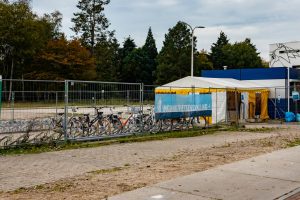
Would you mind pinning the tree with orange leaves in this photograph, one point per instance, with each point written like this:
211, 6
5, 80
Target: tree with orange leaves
62, 59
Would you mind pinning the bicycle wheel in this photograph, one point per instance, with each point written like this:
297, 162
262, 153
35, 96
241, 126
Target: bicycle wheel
147, 124
131, 126
105, 127
92, 130
74, 128
156, 126
116, 127
166, 125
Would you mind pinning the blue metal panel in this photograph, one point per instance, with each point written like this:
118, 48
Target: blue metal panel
263, 73
251, 74
295, 74
231, 73
281, 108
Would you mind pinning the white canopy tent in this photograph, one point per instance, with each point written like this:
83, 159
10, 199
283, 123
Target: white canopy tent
218, 87
220, 83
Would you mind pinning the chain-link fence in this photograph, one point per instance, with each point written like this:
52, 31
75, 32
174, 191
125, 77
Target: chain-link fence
44, 111
281, 101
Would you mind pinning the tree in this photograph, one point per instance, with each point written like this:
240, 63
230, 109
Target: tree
217, 56
134, 67
22, 34
90, 22
150, 46
138, 64
150, 63
174, 60
204, 61
54, 20
128, 46
62, 59
265, 63
242, 55
107, 59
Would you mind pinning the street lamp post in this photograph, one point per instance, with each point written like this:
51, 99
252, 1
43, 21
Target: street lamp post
192, 41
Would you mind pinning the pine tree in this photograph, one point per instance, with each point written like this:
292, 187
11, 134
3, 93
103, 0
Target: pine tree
128, 46
174, 60
134, 67
150, 46
107, 59
217, 55
90, 22
150, 55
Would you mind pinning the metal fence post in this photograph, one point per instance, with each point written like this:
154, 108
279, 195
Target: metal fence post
0, 95
102, 97
142, 104
80, 95
12, 106
56, 104
128, 96
275, 106
216, 108
66, 109
226, 108
296, 106
95, 99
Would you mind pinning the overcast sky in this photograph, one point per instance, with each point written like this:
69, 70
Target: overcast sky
264, 21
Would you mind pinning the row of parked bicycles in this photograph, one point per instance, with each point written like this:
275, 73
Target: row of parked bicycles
103, 123
116, 123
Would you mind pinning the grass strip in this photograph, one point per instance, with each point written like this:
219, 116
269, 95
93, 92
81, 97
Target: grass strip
59, 146
294, 143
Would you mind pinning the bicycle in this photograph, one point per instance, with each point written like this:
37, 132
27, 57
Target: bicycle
57, 124
115, 123
149, 122
97, 126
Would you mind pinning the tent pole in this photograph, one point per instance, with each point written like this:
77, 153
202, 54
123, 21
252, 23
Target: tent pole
236, 107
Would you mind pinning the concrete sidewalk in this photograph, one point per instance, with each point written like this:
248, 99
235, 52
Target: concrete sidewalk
271, 176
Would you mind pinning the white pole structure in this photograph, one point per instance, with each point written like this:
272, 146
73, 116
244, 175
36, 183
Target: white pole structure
192, 41
288, 78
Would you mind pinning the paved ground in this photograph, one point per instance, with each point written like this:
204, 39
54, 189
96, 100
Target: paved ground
264, 177
31, 170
